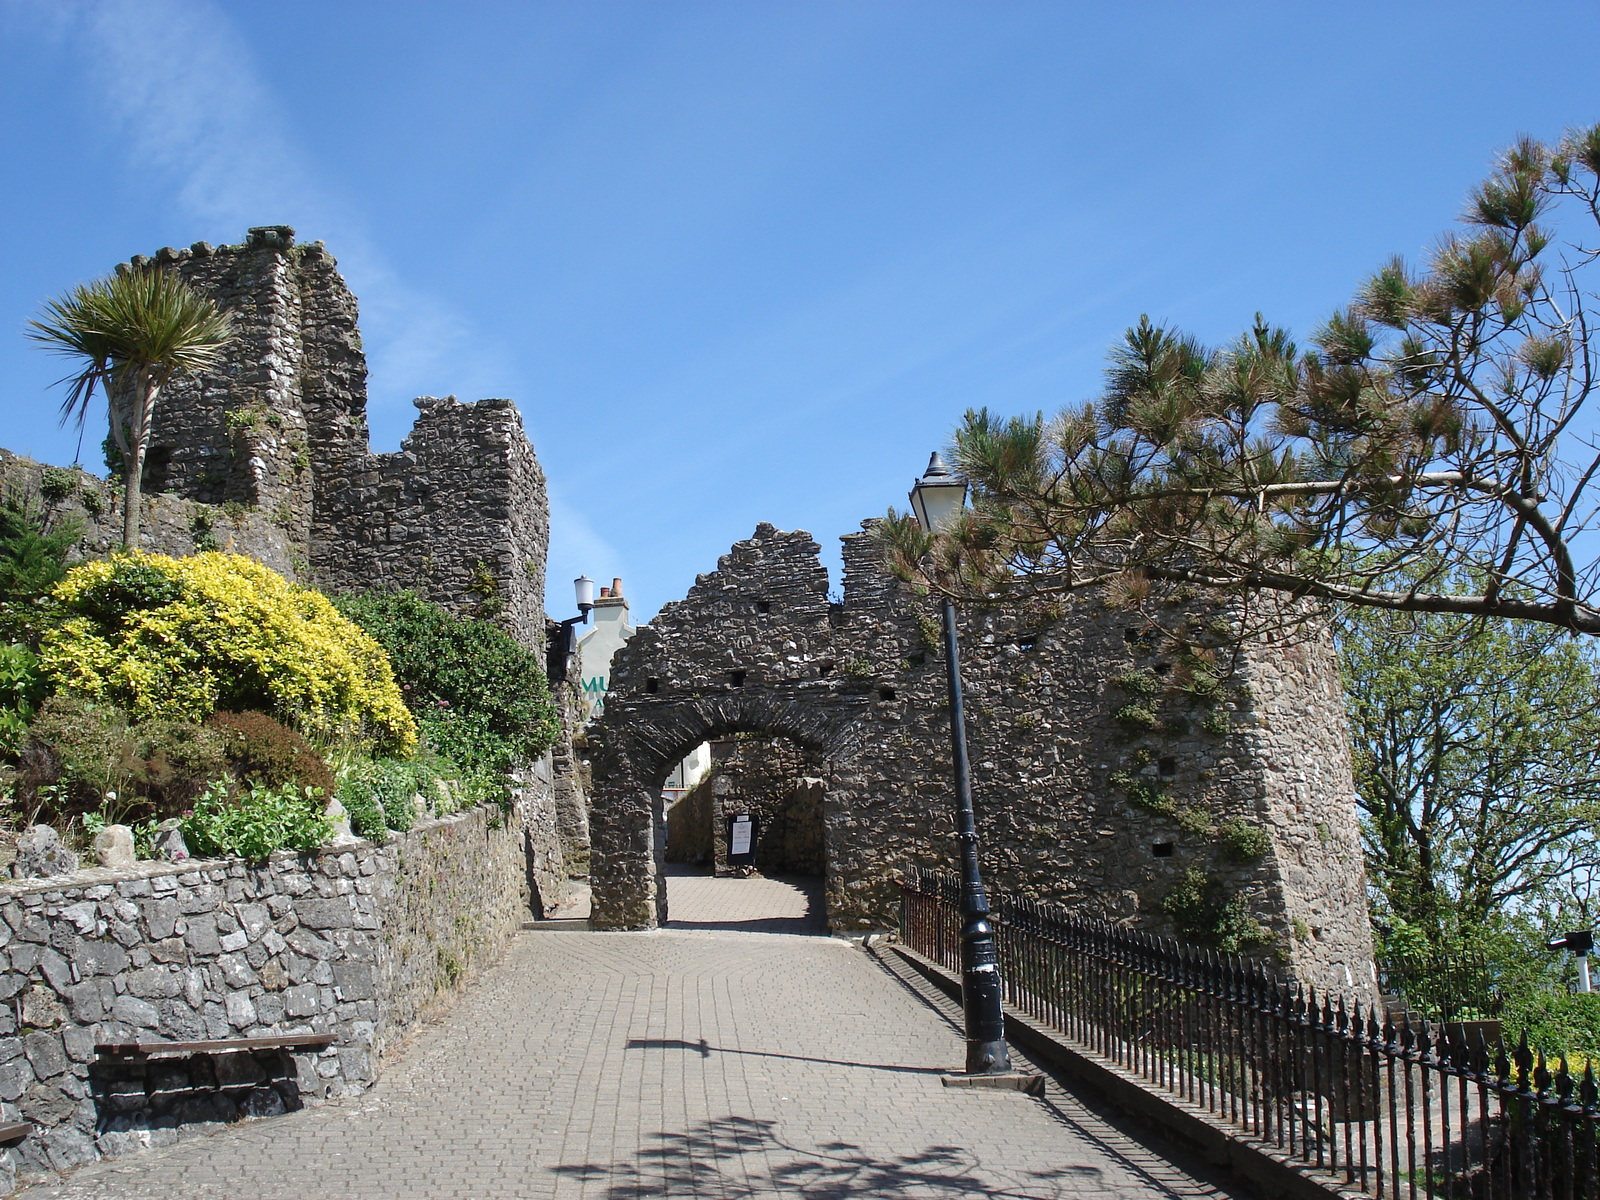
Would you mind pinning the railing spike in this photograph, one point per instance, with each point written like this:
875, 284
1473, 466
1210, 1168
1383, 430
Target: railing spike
1589, 1090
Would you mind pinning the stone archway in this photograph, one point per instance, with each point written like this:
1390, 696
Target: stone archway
627, 865
1083, 798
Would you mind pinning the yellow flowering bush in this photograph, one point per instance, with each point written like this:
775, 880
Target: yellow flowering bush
183, 637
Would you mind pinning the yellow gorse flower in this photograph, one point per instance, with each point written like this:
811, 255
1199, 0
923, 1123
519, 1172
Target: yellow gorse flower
182, 637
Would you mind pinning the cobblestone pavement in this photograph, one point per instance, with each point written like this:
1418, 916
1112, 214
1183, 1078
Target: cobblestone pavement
683, 1062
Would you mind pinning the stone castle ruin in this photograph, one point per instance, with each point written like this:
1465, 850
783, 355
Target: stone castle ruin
1107, 775
267, 454
1106, 778
280, 426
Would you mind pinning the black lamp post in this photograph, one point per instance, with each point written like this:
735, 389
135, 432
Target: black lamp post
556, 667
937, 499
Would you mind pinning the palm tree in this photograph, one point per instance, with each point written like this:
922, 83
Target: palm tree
131, 332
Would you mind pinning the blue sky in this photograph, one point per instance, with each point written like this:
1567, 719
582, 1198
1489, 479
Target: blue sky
750, 261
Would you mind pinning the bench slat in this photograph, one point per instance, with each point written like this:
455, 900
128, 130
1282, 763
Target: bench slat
292, 1041
15, 1132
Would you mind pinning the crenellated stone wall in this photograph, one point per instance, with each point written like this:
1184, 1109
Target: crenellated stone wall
1107, 772
361, 941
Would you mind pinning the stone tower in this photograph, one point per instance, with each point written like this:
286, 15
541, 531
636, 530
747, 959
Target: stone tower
279, 427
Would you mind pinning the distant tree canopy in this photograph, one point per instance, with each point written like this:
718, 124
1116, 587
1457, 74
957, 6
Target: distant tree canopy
1439, 431
1477, 765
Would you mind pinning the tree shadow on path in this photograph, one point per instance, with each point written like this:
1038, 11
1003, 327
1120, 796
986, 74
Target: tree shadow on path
732, 1157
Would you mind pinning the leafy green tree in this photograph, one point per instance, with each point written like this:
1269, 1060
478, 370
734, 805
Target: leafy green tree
1439, 428
130, 333
1477, 765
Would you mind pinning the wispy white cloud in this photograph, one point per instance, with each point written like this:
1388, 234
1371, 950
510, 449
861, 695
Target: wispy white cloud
178, 81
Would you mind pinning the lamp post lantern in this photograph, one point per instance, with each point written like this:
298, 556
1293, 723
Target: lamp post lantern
937, 499
556, 664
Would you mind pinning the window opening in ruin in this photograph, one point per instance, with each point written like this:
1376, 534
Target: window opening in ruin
1161, 668
736, 678
886, 693
824, 669
1162, 850
1027, 641
1168, 766
157, 469
763, 606
652, 686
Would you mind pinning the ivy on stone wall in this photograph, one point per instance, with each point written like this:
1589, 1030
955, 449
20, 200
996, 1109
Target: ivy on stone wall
1201, 907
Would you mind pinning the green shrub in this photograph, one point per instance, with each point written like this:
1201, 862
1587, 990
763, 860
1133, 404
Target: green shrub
392, 786
1243, 840
255, 823
481, 699
1200, 908
77, 754
182, 638
1143, 792
1136, 718
1141, 681
173, 762
366, 813
1557, 1023
262, 750
57, 483
21, 689
33, 557
87, 757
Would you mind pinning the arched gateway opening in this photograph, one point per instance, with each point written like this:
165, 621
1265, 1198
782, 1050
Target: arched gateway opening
628, 827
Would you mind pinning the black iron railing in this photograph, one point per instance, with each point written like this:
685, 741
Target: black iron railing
1396, 1110
1462, 988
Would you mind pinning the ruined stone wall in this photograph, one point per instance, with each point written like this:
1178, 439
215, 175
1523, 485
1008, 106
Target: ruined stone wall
362, 942
278, 426
458, 514
168, 524
1109, 772
569, 777
762, 777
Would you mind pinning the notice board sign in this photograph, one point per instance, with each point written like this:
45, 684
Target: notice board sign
742, 831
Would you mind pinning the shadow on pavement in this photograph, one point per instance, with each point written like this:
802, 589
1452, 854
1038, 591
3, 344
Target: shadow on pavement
705, 1050
805, 926
744, 1157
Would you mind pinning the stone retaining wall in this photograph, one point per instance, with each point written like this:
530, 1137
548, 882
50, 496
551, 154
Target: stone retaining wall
359, 941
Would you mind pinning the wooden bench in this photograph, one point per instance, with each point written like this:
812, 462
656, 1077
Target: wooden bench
287, 1041
14, 1132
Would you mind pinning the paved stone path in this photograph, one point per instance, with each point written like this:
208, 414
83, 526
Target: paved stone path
688, 1062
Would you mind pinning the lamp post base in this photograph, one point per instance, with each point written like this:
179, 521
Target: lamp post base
1005, 1081
988, 1057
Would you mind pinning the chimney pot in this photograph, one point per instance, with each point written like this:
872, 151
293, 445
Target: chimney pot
616, 587
604, 592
